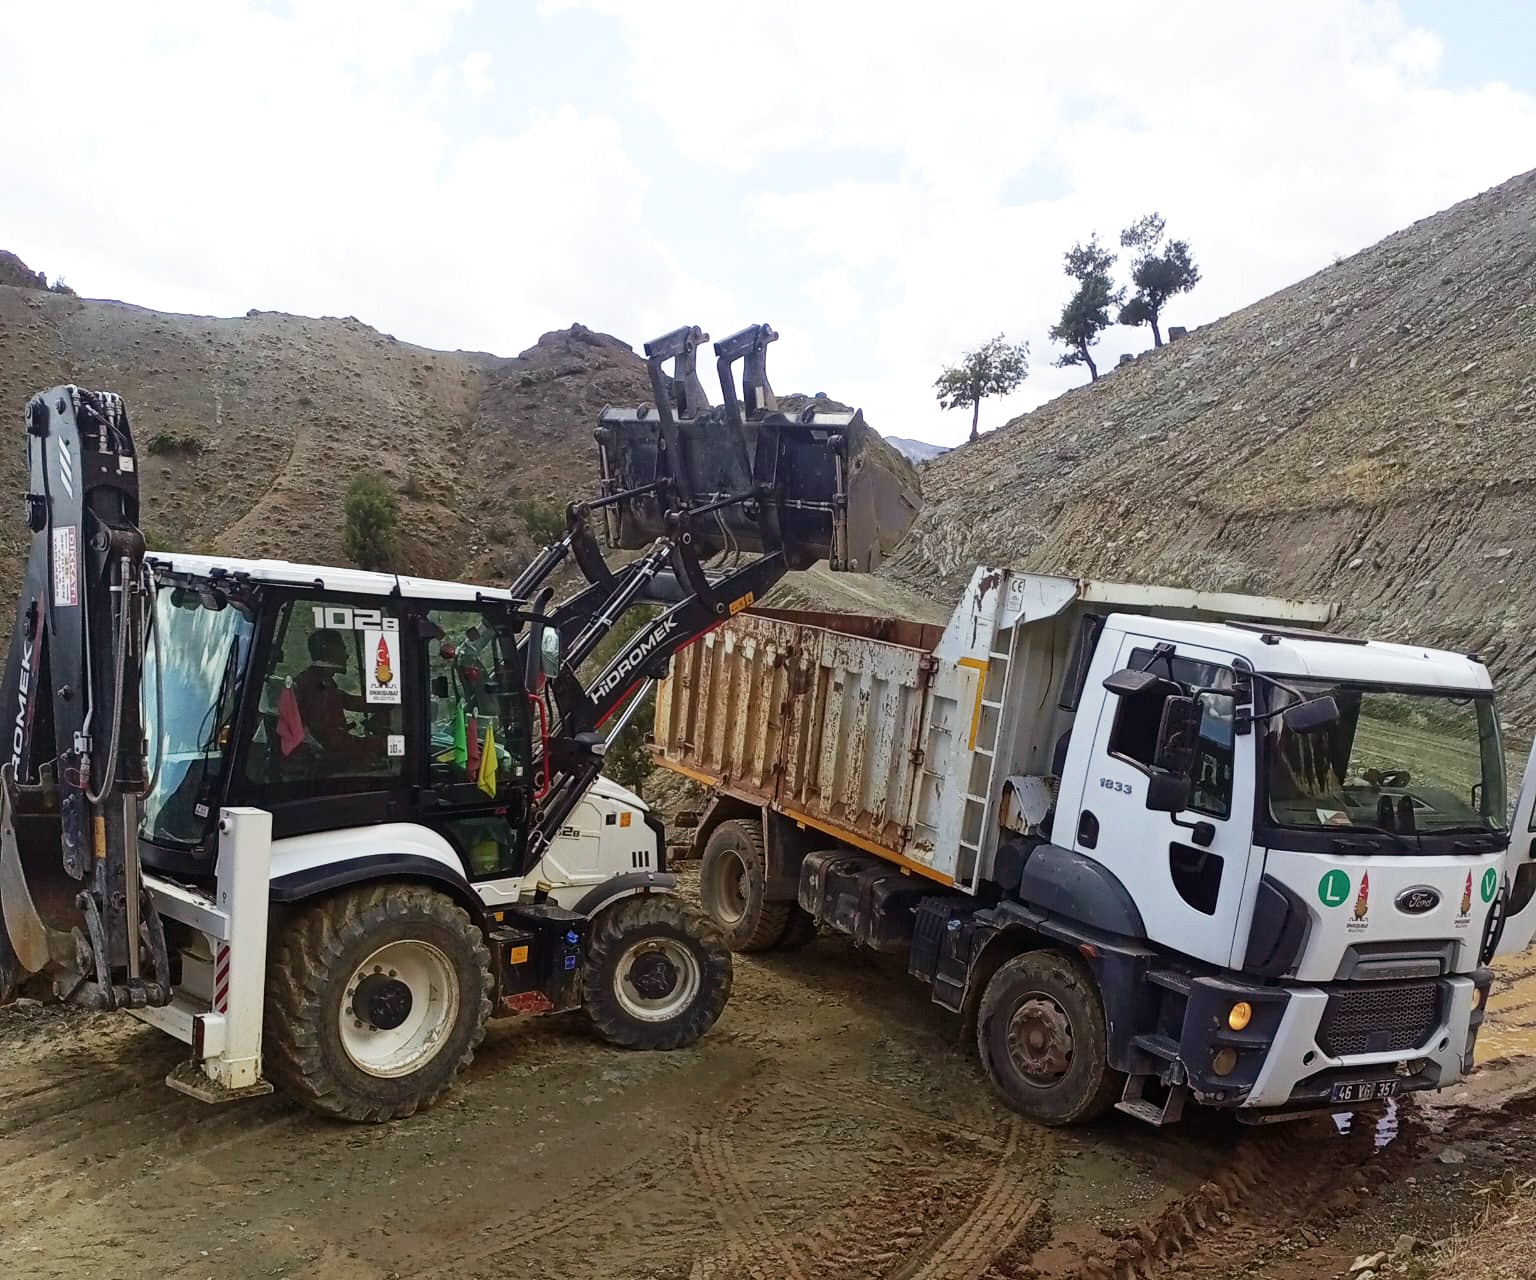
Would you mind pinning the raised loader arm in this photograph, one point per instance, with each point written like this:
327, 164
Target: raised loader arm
757, 490
78, 922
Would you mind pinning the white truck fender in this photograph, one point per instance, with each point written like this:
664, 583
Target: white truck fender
306, 866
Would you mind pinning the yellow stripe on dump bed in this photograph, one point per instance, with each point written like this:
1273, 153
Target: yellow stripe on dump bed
981, 665
869, 846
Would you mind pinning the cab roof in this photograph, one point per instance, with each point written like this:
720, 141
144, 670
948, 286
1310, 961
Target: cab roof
1282, 651
284, 573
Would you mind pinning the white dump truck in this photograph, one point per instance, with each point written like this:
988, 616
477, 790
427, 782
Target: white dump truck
1157, 844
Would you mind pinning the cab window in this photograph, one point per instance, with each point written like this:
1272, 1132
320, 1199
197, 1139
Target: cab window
478, 714
1133, 736
330, 717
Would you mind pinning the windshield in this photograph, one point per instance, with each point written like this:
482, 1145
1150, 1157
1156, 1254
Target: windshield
1401, 760
201, 659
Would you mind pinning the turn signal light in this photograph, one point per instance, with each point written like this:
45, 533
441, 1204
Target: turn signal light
1477, 997
1241, 1015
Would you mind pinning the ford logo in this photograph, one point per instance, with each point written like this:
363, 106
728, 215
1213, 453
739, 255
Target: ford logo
1418, 900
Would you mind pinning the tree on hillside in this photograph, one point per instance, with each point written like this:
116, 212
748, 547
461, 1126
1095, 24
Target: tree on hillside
993, 369
1086, 314
371, 512
1158, 272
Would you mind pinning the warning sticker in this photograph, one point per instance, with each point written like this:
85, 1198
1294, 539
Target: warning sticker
381, 666
396, 744
66, 566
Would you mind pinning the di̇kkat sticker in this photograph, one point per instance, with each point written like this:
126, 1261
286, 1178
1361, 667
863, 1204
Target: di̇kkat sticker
381, 667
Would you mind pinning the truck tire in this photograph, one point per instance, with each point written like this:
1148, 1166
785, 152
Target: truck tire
1040, 1033
376, 999
657, 975
733, 881
799, 929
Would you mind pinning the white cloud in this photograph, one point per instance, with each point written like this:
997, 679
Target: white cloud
1271, 138
228, 156
476, 72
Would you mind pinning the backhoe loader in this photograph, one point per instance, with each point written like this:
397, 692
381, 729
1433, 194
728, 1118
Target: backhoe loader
319, 823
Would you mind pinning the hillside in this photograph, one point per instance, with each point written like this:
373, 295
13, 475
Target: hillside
1362, 436
252, 427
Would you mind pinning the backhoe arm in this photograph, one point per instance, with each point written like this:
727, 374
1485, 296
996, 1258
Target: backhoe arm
76, 916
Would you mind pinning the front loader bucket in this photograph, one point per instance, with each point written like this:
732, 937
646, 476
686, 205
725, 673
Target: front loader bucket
817, 483
38, 912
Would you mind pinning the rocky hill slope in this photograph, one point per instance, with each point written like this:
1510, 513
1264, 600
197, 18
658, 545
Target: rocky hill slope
251, 428
1367, 436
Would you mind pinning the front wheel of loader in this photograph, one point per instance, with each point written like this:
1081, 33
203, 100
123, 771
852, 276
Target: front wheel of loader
658, 973
376, 999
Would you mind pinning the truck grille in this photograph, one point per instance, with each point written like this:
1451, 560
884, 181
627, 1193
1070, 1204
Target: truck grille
1380, 1019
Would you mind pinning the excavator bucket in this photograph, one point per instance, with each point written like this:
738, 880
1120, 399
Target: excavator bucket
750, 475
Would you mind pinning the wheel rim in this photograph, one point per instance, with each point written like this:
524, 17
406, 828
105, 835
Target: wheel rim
656, 979
728, 885
1040, 1040
398, 1008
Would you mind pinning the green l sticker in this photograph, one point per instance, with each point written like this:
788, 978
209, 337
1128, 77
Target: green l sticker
1490, 884
1333, 888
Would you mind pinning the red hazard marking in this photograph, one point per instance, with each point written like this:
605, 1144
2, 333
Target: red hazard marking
527, 1002
221, 980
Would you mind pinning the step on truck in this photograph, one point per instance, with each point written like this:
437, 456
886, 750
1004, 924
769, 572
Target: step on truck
320, 824
1155, 845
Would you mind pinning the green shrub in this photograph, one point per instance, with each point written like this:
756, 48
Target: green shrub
173, 442
371, 513
544, 521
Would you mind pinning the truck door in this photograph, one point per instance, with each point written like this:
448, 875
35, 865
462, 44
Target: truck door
1520, 913
1185, 871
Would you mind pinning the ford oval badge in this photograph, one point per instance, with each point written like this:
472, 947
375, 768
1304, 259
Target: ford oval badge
1418, 900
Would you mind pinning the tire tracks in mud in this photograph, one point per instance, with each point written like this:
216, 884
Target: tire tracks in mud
1003, 1213
1279, 1180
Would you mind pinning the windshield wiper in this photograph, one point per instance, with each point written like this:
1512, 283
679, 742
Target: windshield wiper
1397, 837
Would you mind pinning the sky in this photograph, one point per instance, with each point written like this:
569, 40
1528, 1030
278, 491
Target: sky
887, 184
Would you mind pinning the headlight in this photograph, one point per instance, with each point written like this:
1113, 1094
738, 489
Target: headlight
1223, 1061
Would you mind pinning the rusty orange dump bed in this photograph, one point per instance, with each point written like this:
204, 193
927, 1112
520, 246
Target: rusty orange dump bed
816, 714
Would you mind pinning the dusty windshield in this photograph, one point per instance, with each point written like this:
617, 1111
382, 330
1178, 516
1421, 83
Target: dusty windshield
1403, 761
202, 656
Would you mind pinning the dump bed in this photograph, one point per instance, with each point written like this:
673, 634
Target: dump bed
895, 736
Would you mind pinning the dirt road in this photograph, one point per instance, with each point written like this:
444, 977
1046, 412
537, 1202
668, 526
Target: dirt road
827, 1127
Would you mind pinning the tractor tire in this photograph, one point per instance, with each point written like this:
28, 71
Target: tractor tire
1040, 1034
376, 999
799, 930
657, 973
733, 882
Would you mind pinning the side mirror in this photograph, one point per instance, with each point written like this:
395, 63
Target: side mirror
1168, 792
1311, 715
1177, 735
549, 652
533, 673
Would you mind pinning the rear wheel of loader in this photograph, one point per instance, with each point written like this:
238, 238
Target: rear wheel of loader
376, 999
658, 973
1040, 1033
733, 884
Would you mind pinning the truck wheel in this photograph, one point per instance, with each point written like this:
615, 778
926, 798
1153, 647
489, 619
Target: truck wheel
1040, 1033
799, 930
733, 879
376, 999
658, 973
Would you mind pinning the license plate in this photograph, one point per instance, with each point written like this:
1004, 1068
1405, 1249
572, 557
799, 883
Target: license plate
1363, 1090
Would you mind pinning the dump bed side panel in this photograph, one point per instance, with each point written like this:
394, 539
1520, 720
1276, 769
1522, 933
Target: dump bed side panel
820, 723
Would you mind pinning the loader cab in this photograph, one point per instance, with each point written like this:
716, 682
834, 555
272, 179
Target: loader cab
334, 708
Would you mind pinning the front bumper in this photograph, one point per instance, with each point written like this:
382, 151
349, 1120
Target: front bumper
1291, 1054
